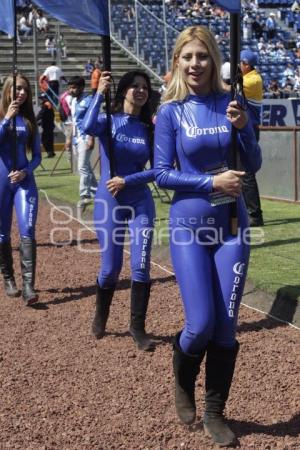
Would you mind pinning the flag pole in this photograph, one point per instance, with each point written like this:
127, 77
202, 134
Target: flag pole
106, 57
15, 70
234, 61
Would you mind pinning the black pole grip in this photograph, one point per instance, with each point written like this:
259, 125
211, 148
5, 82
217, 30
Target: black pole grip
106, 57
15, 71
234, 61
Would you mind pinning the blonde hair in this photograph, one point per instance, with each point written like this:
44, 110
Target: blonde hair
177, 88
26, 110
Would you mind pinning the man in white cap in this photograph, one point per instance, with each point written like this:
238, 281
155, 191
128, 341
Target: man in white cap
253, 90
271, 26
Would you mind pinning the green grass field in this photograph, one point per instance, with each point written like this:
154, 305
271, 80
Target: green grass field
274, 264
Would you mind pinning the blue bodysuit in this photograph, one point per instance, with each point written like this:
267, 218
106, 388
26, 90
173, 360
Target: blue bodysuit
210, 264
133, 205
23, 195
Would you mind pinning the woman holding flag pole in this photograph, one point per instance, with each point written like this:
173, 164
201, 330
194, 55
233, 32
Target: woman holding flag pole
193, 128
124, 199
18, 131
17, 185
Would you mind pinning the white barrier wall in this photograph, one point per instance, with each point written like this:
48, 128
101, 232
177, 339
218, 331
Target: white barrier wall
282, 112
275, 176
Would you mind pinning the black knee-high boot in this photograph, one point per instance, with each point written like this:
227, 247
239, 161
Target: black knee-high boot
186, 368
103, 302
7, 270
140, 293
220, 364
28, 266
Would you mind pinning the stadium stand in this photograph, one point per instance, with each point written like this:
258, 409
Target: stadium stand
144, 33
138, 28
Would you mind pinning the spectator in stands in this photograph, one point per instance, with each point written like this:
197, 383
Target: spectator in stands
45, 119
128, 12
41, 23
206, 8
196, 10
218, 12
274, 89
50, 46
297, 53
288, 88
270, 26
250, 5
257, 27
33, 13
83, 144
288, 72
253, 90
295, 7
279, 50
95, 77
297, 80
247, 27
188, 6
88, 68
61, 45
24, 27
261, 44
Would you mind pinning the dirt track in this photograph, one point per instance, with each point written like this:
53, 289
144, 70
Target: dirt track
61, 389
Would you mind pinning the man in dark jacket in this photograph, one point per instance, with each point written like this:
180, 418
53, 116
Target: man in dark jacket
45, 120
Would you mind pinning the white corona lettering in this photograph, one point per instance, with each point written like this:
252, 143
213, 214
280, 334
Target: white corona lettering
238, 269
193, 132
132, 140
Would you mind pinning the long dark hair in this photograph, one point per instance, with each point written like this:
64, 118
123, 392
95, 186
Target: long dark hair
26, 109
125, 82
146, 111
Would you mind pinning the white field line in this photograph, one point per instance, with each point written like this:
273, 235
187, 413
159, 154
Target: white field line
164, 269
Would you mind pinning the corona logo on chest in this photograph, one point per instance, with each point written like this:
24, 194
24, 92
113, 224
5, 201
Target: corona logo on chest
193, 132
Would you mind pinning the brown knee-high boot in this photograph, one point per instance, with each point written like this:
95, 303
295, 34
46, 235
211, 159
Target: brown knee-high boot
140, 293
28, 266
103, 302
7, 270
220, 364
186, 368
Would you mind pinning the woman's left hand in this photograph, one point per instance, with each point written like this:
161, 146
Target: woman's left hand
236, 115
16, 176
115, 185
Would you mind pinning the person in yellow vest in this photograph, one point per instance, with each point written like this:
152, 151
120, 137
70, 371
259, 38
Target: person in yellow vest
253, 90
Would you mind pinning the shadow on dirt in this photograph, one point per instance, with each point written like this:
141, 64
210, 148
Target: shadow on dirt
289, 428
282, 310
157, 339
81, 292
68, 243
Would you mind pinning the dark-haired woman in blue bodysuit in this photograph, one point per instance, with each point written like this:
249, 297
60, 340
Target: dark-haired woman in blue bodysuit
125, 200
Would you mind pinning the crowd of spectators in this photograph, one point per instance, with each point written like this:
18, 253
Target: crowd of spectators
29, 15
261, 33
